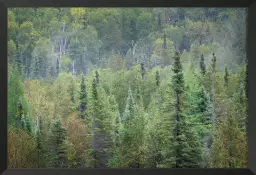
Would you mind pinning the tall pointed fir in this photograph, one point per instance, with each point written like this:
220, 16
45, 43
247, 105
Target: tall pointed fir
58, 144
188, 151
101, 141
165, 43
202, 65
57, 67
127, 150
83, 99
143, 71
97, 77
157, 79
226, 77
213, 79
35, 70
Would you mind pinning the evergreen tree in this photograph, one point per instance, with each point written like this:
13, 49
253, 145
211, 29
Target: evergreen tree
97, 77
35, 70
102, 140
202, 65
157, 79
188, 147
130, 107
165, 44
20, 114
202, 106
57, 142
142, 70
159, 20
57, 67
83, 99
226, 77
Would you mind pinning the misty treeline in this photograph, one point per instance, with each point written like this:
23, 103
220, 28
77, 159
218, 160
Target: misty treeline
127, 88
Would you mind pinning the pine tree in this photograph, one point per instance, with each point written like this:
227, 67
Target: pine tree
142, 70
157, 79
97, 77
35, 70
57, 67
226, 77
165, 44
202, 106
20, 114
130, 107
57, 141
188, 147
159, 20
83, 99
202, 65
102, 128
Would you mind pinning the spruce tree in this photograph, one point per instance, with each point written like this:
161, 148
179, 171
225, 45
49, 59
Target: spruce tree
102, 128
83, 99
202, 106
165, 44
159, 20
226, 77
202, 65
57, 142
157, 79
57, 67
130, 107
35, 70
187, 153
20, 113
97, 77
142, 70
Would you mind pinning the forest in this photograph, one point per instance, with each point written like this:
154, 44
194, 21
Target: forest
127, 88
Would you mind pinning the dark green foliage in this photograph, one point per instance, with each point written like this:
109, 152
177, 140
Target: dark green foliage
97, 77
226, 77
177, 79
157, 79
165, 44
83, 99
214, 63
143, 71
202, 65
57, 67
57, 143
187, 150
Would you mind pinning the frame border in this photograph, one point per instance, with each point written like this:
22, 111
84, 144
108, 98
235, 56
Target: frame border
251, 46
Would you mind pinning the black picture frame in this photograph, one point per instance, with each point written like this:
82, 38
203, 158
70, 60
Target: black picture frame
251, 50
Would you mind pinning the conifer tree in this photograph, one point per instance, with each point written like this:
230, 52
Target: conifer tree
57, 142
130, 107
57, 67
226, 77
187, 142
157, 79
202, 65
83, 99
97, 77
102, 140
165, 44
159, 20
20, 114
142, 70
35, 70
